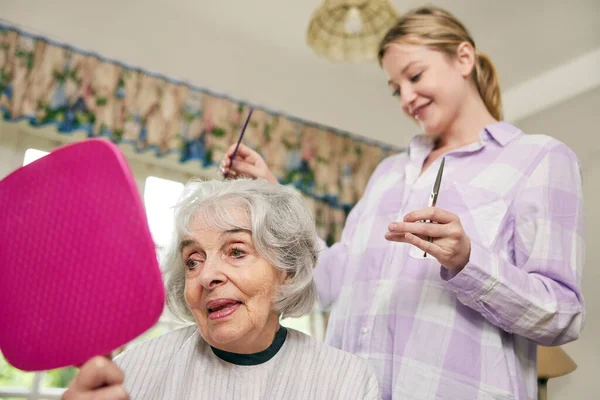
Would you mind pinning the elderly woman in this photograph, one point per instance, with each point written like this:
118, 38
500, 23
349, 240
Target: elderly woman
242, 258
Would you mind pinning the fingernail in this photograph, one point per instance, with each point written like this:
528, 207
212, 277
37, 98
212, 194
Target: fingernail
393, 227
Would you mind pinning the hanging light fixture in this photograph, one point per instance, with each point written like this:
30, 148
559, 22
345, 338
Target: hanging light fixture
350, 30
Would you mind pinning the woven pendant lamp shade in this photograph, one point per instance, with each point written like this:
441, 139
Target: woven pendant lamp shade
350, 30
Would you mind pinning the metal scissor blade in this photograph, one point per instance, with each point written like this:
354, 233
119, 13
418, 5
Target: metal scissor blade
436, 191
438, 179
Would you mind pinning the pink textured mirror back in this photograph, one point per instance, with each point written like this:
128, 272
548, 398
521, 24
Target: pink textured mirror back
80, 276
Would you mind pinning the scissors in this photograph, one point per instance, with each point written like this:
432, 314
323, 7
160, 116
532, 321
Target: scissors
239, 141
434, 194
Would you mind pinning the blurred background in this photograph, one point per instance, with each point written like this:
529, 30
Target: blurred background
171, 83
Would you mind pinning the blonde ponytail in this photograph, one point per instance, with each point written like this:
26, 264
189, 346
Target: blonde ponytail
486, 79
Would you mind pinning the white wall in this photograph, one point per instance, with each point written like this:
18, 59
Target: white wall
577, 123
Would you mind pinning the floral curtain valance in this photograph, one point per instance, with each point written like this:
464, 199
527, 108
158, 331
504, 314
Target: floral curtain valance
46, 82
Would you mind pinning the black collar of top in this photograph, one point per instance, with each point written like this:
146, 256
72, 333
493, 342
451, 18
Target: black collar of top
255, 358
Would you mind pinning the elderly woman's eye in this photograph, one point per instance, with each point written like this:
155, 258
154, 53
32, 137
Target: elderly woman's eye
237, 252
191, 264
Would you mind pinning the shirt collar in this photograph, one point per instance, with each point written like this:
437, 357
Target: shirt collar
420, 146
254, 358
501, 132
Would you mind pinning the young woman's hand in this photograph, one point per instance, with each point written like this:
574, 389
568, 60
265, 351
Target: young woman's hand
450, 245
247, 163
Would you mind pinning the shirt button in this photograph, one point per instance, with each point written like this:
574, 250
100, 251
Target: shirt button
365, 330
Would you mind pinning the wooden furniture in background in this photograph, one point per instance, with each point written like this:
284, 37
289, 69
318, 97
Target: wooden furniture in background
552, 363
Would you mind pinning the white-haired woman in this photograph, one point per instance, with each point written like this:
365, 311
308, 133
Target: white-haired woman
242, 257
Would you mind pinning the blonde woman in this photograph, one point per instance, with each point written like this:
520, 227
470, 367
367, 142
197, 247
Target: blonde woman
503, 272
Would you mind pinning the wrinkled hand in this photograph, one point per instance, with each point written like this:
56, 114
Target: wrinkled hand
450, 246
98, 379
247, 163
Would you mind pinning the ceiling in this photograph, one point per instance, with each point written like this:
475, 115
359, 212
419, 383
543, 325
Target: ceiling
524, 38
256, 50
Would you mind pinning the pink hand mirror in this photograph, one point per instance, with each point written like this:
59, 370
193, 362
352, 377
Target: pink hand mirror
79, 276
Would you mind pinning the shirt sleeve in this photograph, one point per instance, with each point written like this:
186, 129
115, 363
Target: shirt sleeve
330, 269
538, 294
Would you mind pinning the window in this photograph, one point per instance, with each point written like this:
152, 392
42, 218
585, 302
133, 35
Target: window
33, 154
160, 196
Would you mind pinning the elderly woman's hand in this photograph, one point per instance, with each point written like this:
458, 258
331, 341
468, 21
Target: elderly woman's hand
450, 246
99, 378
247, 163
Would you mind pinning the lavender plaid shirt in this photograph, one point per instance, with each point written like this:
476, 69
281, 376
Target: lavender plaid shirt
430, 335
